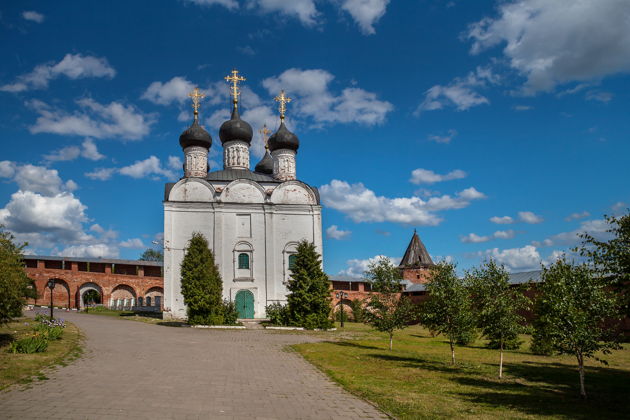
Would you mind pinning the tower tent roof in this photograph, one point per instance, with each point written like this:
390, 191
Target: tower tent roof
416, 254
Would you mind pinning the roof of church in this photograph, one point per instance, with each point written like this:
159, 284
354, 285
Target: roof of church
416, 254
232, 174
265, 166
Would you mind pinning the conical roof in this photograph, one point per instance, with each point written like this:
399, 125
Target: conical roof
416, 254
265, 166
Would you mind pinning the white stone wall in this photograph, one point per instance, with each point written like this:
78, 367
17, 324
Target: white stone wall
196, 161
236, 155
265, 221
284, 164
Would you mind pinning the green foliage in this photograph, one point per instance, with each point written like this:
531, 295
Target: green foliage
448, 309
230, 314
498, 306
14, 283
278, 314
309, 297
612, 258
358, 313
36, 343
574, 310
91, 297
384, 276
151, 254
202, 287
387, 311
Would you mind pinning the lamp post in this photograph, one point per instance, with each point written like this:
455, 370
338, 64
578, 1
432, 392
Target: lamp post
341, 296
51, 286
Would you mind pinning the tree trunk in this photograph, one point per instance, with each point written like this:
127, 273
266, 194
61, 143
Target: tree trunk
581, 368
391, 339
501, 360
452, 351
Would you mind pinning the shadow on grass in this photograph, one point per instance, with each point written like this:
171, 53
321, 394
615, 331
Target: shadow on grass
355, 345
5, 339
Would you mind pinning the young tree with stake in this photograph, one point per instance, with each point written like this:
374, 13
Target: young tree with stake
497, 305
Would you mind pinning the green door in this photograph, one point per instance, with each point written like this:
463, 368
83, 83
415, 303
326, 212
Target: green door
245, 304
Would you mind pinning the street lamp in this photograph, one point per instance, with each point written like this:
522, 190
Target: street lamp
341, 296
51, 286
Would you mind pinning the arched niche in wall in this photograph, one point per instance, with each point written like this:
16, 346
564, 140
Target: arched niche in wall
243, 261
192, 190
288, 255
293, 192
243, 191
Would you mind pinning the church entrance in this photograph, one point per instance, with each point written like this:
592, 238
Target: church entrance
245, 304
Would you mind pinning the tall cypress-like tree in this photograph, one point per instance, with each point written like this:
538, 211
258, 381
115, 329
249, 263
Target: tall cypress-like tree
202, 286
14, 282
309, 298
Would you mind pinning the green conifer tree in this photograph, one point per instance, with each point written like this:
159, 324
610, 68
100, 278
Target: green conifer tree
309, 298
202, 287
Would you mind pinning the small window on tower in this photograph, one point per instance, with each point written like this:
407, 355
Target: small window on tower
292, 259
243, 261
417, 276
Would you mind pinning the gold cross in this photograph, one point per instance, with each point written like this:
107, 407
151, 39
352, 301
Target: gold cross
196, 99
234, 79
264, 133
284, 100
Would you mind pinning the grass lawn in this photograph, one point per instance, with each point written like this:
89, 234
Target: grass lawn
416, 379
23, 368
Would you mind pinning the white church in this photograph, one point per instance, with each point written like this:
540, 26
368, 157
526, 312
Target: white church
253, 220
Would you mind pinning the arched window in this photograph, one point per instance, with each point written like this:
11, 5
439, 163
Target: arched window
292, 259
148, 300
243, 261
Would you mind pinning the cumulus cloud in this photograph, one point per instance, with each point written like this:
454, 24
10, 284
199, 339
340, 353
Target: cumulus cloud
333, 232
461, 93
315, 100
446, 138
304, 10
516, 259
33, 16
88, 150
365, 12
73, 66
90, 251
7, 169
596, 228
175, 90
135, 243
555, 42
363, 205
114, 120
357, 267
529, 217
577, 216
150, 167
230, 4
499, 234
426, 176
502, 220
599, 96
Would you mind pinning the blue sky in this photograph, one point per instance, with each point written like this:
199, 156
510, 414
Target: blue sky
495, 128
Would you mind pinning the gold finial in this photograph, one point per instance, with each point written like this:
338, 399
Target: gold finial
264, 133
235, 91
284, 100
196, 100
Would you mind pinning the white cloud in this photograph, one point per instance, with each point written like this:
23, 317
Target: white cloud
499, 234
333, 232
555, 42
33, 16
619, 208
363, 205
73, 66
87, 150
97, 228
304, 10
357, 267
7, 169
114, 120
365, 12
516, 259
577, 216
425, 176
175, 162
460, 93
529, 217
90, 251
443, 138
175, 90
41, 180
596, 228
598, 95
135, 243
502, 220
247, 50
146, 168
230, 4
314, 99
101, 174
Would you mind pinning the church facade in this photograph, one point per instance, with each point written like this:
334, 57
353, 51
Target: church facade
253, 220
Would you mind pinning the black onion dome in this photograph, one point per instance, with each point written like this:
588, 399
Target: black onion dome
195, 135
235, 129
283, 139
265, 166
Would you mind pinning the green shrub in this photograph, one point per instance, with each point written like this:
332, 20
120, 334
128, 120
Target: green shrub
514, 344
278, 314
357, 310
34, 344
230, 314
466, 337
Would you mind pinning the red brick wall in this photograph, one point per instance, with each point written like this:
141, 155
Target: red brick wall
416, 275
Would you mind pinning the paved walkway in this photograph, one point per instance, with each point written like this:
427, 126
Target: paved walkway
134, 370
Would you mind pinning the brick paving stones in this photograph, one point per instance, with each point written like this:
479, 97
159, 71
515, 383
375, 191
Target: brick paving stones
134, 370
